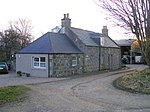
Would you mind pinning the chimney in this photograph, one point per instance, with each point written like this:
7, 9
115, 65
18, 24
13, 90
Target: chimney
105, 30
66, 22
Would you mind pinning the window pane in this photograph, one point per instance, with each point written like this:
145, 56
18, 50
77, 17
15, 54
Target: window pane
36, 59
36, 64
42, 65
42, 59
74, 62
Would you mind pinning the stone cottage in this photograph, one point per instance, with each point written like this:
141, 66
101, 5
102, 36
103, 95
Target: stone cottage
69, 51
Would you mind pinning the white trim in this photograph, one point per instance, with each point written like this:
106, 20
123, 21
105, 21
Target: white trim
102, 41
74, 61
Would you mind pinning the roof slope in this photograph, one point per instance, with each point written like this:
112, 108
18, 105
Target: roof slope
85, 36
90, 38
124, 42
51, 43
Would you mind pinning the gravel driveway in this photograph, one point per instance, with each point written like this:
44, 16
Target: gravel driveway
93, 93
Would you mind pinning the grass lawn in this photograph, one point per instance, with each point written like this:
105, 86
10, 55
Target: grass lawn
11, 93
138, 82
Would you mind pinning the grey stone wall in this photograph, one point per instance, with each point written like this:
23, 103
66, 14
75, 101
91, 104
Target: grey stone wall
110, 58
105, 58
91, 59
62, 65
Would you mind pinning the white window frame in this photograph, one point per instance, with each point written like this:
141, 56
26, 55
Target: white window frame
74, 61
39, 62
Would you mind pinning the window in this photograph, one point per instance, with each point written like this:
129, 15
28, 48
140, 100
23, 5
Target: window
74, 61
39, 62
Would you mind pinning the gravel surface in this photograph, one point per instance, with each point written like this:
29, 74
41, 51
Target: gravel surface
93, 93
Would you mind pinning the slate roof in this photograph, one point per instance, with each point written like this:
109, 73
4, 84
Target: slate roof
124, 42
86, 36
51, 43
90, 38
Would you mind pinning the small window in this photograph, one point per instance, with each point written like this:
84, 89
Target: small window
74, 61
39, 62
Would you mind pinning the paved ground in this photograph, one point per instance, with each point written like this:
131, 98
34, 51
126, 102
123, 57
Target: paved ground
12, 79
93, 93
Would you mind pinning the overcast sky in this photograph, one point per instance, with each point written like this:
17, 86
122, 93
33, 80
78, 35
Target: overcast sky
46, 14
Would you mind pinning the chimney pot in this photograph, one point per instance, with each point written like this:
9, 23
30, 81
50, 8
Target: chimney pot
68, 15
64, 16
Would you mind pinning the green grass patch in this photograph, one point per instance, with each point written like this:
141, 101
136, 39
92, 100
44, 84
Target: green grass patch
138, 82
11, 93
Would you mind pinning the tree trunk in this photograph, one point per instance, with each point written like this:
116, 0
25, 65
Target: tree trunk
148, 53
145, 48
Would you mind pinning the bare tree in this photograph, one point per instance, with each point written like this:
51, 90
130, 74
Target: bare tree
24, 28
133, 15
17, 36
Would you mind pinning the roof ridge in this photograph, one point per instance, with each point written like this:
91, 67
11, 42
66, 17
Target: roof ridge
72, 42
85, 30
51, 46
